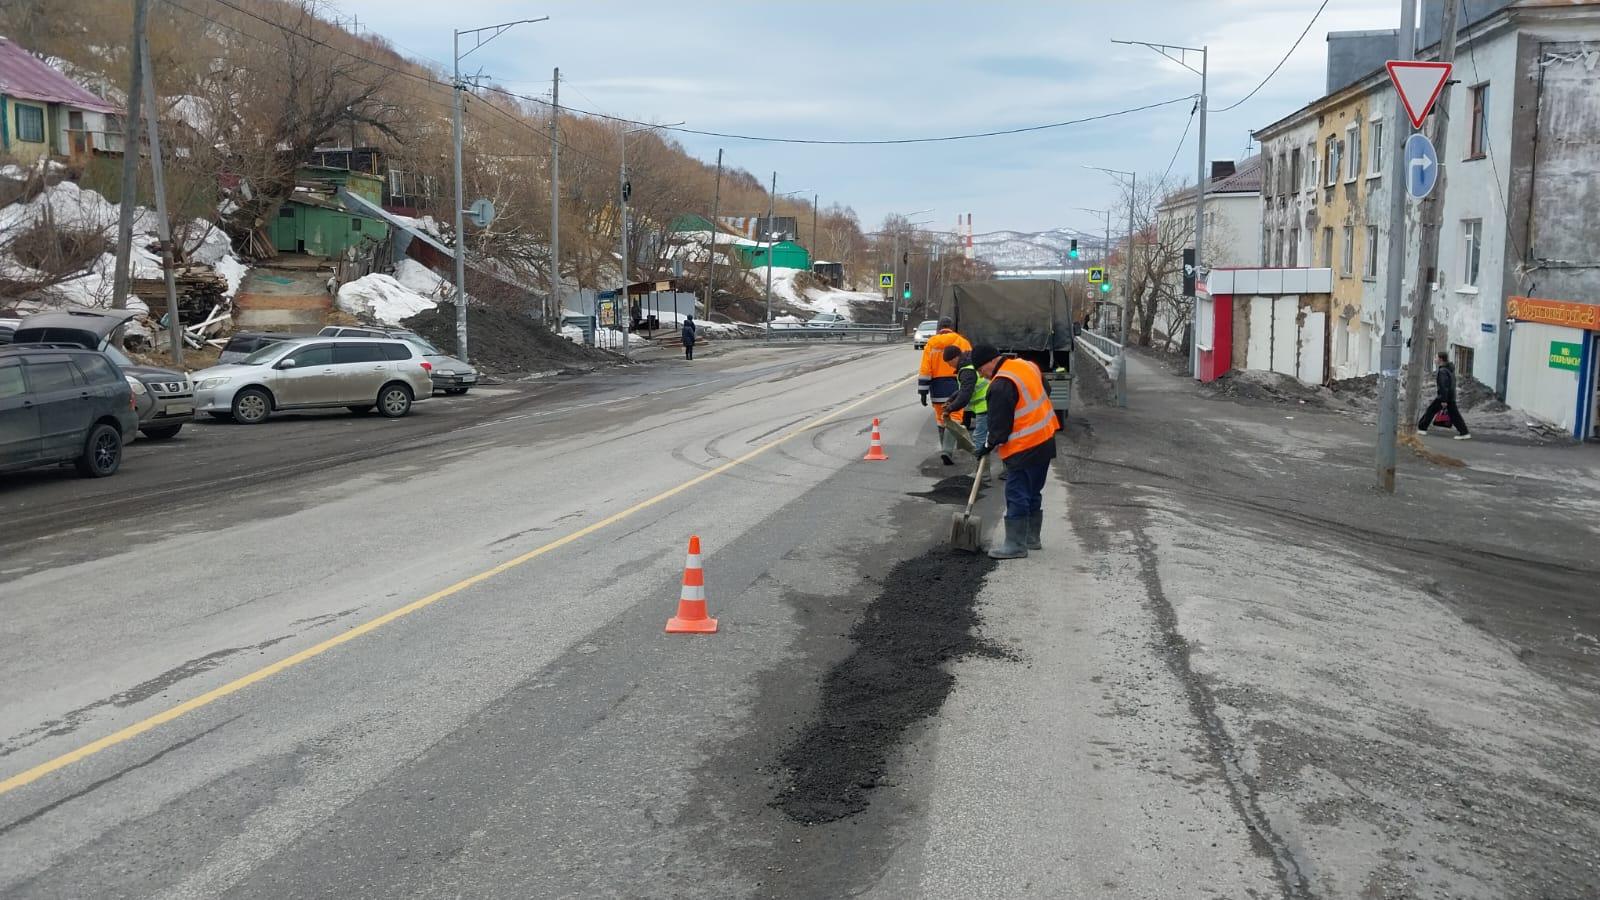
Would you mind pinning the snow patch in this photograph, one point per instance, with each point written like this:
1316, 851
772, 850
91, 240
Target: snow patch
416, 277
383, 298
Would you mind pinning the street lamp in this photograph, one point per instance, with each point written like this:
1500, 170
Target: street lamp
772, 202
1127, 290
461, 237
623, 190
1200, 177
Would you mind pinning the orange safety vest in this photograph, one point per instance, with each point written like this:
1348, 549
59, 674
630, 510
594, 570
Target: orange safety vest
1035, 419
933, 364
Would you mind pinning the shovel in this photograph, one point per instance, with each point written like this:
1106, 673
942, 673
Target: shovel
966, 528
962, 435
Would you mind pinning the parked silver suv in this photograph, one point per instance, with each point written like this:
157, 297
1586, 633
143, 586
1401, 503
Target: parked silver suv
314, 373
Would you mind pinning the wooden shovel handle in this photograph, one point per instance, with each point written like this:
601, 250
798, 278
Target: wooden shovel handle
977, 479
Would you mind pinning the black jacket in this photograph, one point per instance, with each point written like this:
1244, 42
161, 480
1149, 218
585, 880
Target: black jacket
966, 383
1002, 415
688, 331
1444, 379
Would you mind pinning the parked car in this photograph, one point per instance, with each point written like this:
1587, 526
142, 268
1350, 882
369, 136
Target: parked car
8, 327
317, 373
244, 343
827, 320
164, 397
450, 375
63, 404
926, 330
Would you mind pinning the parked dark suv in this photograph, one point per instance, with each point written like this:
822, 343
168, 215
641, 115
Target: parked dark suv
164, 398
63, 404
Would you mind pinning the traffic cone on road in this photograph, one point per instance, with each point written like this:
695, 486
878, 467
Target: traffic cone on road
691, 617
875, 452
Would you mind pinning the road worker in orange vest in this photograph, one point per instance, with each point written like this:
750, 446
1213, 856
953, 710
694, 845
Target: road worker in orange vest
1022, 427
937, 381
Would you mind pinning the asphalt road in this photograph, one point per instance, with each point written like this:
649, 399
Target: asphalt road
340, 657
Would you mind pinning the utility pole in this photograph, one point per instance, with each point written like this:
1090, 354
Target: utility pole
625, 317
555, 197
163, 227
1389, 358
1430, 214
130, 159
813, 226
1127, 305
461, 235
1201, 180
711, 256
772, 199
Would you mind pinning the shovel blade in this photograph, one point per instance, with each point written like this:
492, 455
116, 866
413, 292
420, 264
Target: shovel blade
962, 435
966, 532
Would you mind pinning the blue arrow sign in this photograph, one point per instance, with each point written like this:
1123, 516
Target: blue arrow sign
1422, 166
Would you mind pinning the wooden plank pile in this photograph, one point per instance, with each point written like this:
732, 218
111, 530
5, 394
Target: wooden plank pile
199, 290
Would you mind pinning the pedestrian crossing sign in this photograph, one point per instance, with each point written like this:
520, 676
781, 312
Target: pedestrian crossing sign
886, 280
1097, 274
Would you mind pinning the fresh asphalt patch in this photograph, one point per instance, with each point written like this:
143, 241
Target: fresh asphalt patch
923, 619
947, 490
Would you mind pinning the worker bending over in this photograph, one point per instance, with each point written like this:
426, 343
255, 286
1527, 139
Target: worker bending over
1022, 426
937, 381
970, 405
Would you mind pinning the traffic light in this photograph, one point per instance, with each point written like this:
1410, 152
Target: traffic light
907, 294
1105, 287
1073, 253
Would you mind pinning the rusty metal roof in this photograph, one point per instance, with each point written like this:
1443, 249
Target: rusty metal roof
27, 77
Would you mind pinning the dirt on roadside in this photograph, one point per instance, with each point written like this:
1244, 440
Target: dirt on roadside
1267, 387
508, 343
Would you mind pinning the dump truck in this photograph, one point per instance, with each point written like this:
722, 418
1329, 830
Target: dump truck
1032, 318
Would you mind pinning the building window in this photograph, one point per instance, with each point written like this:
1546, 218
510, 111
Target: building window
1480, 122
1295, 177
355, 224
1347, 263
1266, 244
1353, 152
1370, 268
1267, 187
1375, 149
1327, 248
30, 124
1472, 251
1292, 256
1311, 166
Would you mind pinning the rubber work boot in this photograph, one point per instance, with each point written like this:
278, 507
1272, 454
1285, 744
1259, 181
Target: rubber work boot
947, 447
1035, 522
1015, 544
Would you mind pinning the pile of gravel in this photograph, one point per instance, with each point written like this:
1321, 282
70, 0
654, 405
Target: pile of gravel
508, 343
1267, 387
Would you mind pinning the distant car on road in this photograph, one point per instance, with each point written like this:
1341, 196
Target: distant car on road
828, 320
63, 404
926, 330
450, 375
164, 397
359, 374
244, 343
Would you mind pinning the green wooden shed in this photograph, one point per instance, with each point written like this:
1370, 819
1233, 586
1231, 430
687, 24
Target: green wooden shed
785, 255
318, 228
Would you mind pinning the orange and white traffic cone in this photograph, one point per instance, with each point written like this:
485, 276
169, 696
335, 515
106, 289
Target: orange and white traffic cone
691, 617
875, 452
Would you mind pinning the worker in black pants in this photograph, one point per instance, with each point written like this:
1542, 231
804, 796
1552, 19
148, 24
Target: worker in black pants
1444, 380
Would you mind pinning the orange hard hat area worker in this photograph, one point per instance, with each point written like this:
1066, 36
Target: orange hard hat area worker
1022, 426
936, 381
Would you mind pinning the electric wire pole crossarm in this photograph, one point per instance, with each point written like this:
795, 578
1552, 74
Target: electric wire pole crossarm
625, 318
457, 56
1201, 175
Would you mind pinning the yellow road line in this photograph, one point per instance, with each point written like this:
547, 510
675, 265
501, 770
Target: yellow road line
238, 684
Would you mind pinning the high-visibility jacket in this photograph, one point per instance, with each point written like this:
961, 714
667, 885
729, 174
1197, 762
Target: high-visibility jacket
1034, 420
979, 404
937, 378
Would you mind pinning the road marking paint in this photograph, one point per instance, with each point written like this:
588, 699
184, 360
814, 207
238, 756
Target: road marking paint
238, 684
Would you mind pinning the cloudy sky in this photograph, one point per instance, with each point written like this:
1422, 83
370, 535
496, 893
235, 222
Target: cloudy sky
874, 69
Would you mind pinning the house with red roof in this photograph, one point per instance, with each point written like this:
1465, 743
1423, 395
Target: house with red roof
45, 113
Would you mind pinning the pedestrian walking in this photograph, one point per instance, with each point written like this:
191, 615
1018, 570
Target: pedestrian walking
936, 380
971, 400
688, 337
1022, 427
1444, 381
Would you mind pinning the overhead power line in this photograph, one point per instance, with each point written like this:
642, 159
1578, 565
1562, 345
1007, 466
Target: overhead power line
1292, 49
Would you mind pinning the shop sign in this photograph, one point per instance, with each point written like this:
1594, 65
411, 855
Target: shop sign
1564, 355
1555, 312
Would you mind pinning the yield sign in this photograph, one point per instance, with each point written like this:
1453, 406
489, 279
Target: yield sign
1418, 84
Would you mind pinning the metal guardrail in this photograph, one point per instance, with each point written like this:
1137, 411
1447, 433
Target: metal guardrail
1106, 346
885, 333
